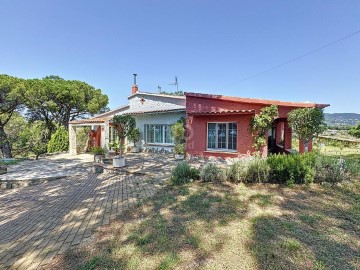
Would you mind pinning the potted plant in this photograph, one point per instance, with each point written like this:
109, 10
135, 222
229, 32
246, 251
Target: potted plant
99, 153
179, 151
124, 125
134, 137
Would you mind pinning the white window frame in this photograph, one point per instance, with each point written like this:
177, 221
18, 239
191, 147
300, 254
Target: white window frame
163, 131
216, 138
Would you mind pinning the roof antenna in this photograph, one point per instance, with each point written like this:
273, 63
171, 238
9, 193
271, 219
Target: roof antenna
176, 84
135, 78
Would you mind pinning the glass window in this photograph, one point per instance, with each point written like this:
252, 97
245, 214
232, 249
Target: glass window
222, 136
232, 136
168, 135
159, 134
149, 133
211, 135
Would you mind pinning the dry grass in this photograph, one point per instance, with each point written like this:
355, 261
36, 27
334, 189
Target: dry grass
227, 226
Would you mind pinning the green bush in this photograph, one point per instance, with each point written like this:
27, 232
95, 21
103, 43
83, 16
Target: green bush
331, 169
258, 171
238, 171
183, 172
210, 173
59, 141
179, 149
98, 150
292, 169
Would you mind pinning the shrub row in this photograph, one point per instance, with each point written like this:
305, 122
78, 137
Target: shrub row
283, 169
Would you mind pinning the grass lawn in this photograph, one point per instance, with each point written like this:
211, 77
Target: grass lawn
228, 226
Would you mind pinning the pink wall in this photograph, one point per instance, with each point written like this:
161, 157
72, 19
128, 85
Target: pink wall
197, 125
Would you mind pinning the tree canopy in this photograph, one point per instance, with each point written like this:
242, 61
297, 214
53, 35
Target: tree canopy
12, 90
124, 125
307, 123
58, 101
51, 101
260, 124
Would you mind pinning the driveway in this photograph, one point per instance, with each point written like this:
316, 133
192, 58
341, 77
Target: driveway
39, 222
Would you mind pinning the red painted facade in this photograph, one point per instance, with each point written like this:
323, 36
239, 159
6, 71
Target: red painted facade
202, 109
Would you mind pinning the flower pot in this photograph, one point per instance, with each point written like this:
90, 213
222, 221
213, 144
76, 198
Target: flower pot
179, 157
135, 149
118, 162
98, 158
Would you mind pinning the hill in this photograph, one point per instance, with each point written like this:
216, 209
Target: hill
342, 119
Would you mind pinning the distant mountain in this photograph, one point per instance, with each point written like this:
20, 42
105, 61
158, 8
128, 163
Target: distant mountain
342, 119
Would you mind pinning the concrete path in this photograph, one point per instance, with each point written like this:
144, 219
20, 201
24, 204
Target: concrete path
56, 166
38, 222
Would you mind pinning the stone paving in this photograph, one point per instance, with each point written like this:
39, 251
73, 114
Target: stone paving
39, 222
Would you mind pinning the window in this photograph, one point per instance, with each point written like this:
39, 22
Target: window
113, 135
222, 136
158, 134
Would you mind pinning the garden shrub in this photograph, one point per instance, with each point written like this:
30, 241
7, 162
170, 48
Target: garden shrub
59, 141
331, 169
238, 171
183, 172
210, 173
258, 171
292, 169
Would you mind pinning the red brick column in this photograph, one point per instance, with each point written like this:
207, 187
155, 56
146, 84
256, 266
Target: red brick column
287, 135
278, 131
302, 146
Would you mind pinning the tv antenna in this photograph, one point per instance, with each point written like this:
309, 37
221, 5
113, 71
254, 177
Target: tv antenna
175, 83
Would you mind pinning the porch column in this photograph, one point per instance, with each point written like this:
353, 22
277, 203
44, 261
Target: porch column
105, 136
279, 124
287, 135
72, 139
302, 146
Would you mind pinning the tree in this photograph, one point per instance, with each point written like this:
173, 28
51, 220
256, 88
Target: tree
124, 124
11, 100
38, 138
355, 131
15, 130
306, 123
57, 101
134, 136
59, 141
261, 123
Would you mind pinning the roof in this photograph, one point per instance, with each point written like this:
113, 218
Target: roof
112, 112
93, 120
156, 95
258, 101
176, 108
250, 111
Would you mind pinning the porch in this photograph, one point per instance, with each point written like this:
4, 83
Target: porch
280, 138
97, 136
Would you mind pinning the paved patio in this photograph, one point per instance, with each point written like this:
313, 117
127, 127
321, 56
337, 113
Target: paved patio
41, 221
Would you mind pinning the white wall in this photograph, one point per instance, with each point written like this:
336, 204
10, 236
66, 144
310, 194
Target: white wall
160, 119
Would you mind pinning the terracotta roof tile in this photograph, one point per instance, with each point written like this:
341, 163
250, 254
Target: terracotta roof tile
224, 112
259, 101
91, 121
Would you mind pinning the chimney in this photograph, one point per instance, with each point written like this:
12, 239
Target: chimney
134, 88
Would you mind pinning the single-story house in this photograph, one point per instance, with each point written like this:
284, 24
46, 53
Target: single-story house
219, 125
154, 115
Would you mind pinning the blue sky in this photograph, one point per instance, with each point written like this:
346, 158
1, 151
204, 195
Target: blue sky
210, 45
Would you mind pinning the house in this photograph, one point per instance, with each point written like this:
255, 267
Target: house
219, 125
154, 115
